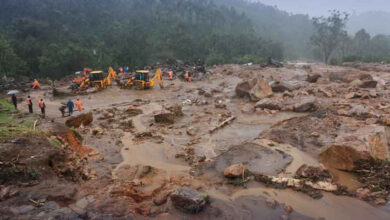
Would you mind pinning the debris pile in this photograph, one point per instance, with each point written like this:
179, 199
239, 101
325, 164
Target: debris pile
77, 121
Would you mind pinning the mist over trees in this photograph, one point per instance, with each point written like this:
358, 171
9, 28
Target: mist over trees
58, 37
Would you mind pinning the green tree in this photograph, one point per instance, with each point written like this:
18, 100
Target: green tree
362, 42
329, 32
10, 63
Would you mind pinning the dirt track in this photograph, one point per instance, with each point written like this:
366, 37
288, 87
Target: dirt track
137, 164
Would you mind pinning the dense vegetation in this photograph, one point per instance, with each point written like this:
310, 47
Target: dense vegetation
57, 37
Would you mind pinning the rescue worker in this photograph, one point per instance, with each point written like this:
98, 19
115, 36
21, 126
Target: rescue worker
62, 109
70, 107
170, 75
36, 84
15, 101
79, 105
188, 77
42, 105
29, 104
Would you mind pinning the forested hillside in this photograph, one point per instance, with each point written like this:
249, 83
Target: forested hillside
292, 31
56, 37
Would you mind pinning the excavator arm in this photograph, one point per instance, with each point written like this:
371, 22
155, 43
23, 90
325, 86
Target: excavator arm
158, 77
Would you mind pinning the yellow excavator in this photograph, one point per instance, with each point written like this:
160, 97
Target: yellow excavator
142, 80
98, 79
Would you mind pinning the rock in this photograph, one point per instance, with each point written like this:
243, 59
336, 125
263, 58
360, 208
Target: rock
369, 84
7, 192
127, 124
192, 131
380, 201
97, 131
282, 87
130, 112
248, 108
288, 209
348, 77
313, 78
234, 171
176, 110
373, 94
363, 193
208, 95
365, 143
77, 121
306, 104
188, 200
356, 83
256, 158
272, 203
161, 198
260, 91
361, 112
268, 103
243, 88
165, 117
352, 95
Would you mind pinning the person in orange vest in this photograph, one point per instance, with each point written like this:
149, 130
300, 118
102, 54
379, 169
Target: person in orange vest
42, 105
29, 104
79, 105
171, 75
188, 77
36, 84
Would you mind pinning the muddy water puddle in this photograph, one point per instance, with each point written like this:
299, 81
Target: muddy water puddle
328, 207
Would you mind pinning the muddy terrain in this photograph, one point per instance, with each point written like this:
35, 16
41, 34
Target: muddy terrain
305, 141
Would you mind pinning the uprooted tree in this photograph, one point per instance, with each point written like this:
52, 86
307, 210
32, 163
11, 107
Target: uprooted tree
329, 32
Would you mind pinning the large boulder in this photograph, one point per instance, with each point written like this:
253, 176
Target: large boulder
268, 103
165, 117
350, 146
369, 84
282, 86
248, 108
306, 104
348, 77
188, 200
77, 121
243, 88
260, 91
313, 78
254, 89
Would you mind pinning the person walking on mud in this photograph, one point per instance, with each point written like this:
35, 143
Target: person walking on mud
42, 105
79, 105
29, 104
15, 101
70, 107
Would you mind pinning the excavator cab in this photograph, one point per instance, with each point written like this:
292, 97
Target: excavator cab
142, 80
97, 79
81, 80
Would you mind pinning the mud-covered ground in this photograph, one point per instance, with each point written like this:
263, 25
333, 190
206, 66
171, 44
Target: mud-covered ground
128, 165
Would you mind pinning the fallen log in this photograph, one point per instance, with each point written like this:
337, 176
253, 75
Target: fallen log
222, 124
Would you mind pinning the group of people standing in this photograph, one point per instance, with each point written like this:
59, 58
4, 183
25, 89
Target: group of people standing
29, 102
70, 105
42, 105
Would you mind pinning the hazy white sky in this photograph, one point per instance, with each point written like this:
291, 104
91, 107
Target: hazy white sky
321, 7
